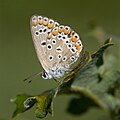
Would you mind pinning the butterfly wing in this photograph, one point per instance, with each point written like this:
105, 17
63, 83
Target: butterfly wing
66, 47
57, 46
39, 36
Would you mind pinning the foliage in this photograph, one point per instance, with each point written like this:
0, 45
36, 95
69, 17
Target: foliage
94, 85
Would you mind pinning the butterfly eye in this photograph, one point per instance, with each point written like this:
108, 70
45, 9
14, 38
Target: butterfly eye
45, 75
45, 21
66, 29
51, 23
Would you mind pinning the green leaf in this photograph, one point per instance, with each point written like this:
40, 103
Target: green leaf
19, 101
44, 103
91, 84
88, 76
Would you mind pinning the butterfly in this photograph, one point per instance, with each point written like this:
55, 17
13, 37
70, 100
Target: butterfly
57, 46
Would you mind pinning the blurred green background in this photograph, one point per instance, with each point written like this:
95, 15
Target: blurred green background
18, 58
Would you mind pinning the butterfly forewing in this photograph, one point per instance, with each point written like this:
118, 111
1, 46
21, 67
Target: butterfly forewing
39, 39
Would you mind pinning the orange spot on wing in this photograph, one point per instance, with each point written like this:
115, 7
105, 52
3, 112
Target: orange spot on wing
54, 32
60, 30
49, 36
34, 23
40, 22
50, 25
71, 33
66, 31
74, 39
45, 23
77, 46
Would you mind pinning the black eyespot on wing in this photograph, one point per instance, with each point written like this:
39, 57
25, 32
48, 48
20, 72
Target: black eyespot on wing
72, 58
50, 57
53, 41
58, 49
49, 46
44, 30
67, 41
40, 30
59, 56
64, 58
59, 36
37, 33
43, 43
73, 50
63, 37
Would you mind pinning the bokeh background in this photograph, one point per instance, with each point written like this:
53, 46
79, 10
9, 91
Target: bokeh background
18, 58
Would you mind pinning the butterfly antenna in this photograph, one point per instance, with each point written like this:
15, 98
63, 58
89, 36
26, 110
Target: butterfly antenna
31, 77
